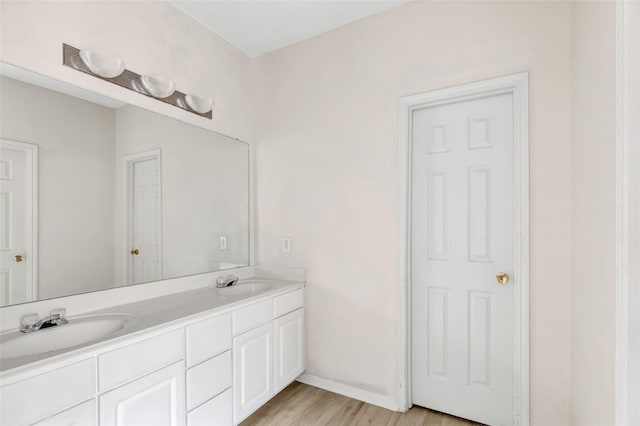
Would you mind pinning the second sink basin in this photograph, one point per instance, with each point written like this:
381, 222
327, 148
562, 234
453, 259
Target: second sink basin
245, 289
78, 331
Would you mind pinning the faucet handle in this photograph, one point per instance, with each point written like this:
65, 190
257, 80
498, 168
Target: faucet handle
60, 312
220, 280
29, 321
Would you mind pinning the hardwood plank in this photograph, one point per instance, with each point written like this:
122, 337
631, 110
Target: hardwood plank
304, 405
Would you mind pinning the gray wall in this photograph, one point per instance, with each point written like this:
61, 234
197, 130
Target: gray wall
205, 182
76, 184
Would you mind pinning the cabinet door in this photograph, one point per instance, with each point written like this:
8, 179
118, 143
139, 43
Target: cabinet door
289, 348
252, 371
157, 399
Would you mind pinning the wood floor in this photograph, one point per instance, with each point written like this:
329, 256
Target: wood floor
301, 404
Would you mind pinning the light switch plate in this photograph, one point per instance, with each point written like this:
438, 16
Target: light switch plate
223, 243
286, 245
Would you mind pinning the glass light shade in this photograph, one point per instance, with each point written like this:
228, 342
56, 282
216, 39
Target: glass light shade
198, 103
102, 65
157, 87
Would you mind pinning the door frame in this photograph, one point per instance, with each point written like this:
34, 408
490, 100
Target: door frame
129, 162
31, 151
518, 86
627, 358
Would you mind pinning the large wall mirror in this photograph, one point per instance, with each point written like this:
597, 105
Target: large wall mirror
95, 193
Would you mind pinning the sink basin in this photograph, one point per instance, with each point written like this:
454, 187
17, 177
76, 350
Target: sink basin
78, 331
244, 289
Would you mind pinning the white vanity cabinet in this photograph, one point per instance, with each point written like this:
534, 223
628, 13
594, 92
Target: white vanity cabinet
212, 370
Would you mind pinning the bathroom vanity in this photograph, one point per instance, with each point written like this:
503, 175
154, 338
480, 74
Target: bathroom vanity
126, 221
207, 356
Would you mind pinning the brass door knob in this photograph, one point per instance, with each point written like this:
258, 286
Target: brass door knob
18, 257
135, 252
502, 278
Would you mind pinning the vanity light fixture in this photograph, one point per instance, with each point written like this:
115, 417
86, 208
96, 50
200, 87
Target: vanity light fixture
114, 71
199, 104
102, 65
157, 87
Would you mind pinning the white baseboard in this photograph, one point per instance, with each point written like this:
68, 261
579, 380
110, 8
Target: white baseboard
350, 391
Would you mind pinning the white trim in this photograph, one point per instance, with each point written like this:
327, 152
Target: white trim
627, 363
31, 213
518, 86
253, 222
129, 161
349, 391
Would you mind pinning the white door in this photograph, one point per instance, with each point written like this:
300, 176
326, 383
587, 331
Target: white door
157, 399
462, 233
289, 348
17, 194
145, 251
252, 371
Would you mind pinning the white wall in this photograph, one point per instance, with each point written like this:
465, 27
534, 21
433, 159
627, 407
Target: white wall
593, 215
152, 37
76, 153
328, 178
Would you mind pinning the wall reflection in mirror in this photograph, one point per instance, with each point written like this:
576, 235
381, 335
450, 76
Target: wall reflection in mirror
95, 193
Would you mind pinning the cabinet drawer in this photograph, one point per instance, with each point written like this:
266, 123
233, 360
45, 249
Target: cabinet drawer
216, 412
288, 303
38, 397
122, 365
245, 319
208, 338
208, 379
80, 415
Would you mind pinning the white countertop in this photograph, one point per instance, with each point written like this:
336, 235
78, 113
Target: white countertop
152, 316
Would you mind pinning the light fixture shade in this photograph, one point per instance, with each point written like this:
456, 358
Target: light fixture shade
102, 65
198, 103
157, 87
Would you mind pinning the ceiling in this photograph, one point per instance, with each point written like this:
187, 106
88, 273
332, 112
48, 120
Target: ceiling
261, 26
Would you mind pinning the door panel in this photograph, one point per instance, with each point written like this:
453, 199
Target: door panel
146, 216
15, 185
462, 236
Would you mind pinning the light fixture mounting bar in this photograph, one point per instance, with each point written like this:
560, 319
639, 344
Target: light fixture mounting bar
128, 79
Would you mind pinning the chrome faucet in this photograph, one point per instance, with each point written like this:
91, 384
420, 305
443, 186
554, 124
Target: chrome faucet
227, 281
31, 323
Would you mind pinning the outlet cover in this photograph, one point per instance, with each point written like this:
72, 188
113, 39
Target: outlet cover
286, 245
